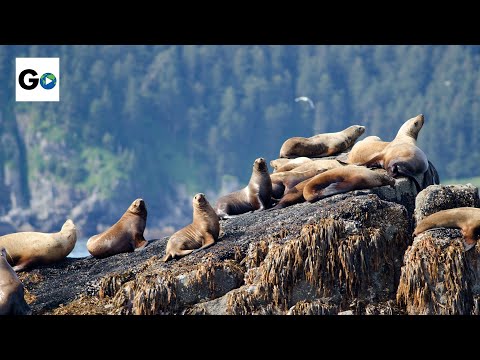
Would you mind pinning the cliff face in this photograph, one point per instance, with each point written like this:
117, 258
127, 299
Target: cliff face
33, 197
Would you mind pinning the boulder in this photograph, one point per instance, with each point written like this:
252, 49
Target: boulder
442, 197
439, 276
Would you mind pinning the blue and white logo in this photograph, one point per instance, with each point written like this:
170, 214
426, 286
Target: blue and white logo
31, 72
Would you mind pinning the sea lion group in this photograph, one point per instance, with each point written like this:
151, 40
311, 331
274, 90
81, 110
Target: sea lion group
300, 174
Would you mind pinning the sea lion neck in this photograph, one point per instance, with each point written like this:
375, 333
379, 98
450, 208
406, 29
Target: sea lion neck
260, 168
411, 128
201, 206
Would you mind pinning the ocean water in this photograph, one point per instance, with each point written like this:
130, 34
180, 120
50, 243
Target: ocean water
80, 249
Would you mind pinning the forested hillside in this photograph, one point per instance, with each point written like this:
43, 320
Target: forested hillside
137, 121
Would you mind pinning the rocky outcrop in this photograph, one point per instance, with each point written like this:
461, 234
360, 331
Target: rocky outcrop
348, 254
442, 197
439, 277
343, 253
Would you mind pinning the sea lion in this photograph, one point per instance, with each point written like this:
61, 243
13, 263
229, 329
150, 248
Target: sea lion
125, 235
362, 150
344, 179
293, 193
292, 196
319, 164
284, 181
28, 249
12, 300
402, 156
200, 234
465, 218
321, 145
410, 129
257, 195
280, 165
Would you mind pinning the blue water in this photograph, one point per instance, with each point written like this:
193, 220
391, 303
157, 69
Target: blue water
80, 249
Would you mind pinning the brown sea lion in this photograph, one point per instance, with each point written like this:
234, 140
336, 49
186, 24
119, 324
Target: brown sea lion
363, 150
12, 300
402, 156
257, 195
28, 249
126, 235
321, 145
344, 179
292, 196
410, 129
293, 193
465, 218
200, 234
320, 164
284, 181
278, 189
288, 164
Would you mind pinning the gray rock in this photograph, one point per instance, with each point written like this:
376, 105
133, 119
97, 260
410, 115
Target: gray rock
213, 307
403, 193
442, 197
190, 290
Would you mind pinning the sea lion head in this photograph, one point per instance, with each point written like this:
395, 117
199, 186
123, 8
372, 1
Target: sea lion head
199, 199
3, 252
68, 226
260, 164
412, 126
138, 207
69, 230
358, 130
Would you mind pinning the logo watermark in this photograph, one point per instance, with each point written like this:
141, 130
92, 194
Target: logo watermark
31, 72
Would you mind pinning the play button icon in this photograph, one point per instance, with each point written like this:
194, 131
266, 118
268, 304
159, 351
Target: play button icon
48, 81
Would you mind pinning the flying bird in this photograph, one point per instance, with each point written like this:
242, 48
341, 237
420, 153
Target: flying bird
304, 98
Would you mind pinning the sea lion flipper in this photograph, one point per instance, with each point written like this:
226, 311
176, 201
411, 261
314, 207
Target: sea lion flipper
142, 247
20, 267
469, 238
140, 243
373, 161
167, 257
208, 241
